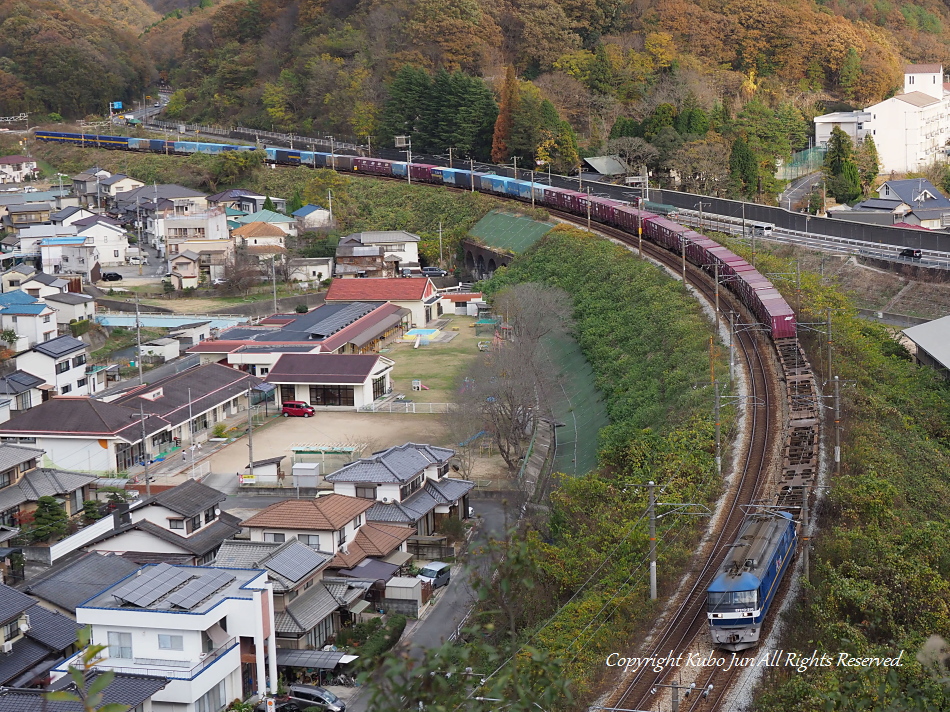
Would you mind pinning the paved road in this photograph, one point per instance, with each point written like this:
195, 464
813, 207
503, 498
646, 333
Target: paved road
798, 190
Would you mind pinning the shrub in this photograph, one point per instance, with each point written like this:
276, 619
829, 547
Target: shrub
382, 640
90, 510
55, 118
49, 520
220, 430
301, 308
358, 633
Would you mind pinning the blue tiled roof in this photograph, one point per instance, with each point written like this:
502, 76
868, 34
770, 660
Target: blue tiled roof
306, 210
17, 297
24, 309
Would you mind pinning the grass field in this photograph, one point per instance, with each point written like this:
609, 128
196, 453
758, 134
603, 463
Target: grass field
439, 366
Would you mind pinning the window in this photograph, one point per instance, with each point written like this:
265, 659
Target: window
341, 537
358, 522
75, 501
115, 253
47, 336
366, 491
176, 523
65, 389
193, 524
210, 515
408, 489
213, 700
379, 387
7, 478
171, 642
120, 645
46, 319
10, 517
62, 366
79, 360
311, 540
331, 395
288, 393
82, 382
11, 630
275, 537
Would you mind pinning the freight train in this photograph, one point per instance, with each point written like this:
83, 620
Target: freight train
800, 447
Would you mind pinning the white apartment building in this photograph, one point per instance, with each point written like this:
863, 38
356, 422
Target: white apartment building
910, 130
61, 362
192, 625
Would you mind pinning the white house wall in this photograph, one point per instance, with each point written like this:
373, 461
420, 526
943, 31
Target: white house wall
78, 454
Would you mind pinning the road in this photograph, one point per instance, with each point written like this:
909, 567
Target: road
456, 599
798, 190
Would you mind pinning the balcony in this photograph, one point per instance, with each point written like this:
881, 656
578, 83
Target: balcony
172, 669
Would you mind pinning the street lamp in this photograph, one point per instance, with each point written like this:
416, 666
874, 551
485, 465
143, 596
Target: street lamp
406, 142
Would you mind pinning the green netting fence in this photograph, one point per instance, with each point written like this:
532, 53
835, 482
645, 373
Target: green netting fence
509, 232
802, 163
577, 405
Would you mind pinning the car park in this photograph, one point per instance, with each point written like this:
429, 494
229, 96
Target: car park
111, 277
297, 408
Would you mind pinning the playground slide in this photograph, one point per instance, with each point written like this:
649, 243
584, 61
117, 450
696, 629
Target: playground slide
417, 342
424, 387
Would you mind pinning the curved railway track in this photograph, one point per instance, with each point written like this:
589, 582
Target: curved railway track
688, 619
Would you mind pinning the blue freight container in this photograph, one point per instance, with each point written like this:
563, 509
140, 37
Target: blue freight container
399, 169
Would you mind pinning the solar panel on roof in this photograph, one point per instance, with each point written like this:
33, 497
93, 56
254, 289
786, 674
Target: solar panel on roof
294, 562
147, 587
198, 589
340, 319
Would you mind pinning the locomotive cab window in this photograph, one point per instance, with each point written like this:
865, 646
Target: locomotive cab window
723, 602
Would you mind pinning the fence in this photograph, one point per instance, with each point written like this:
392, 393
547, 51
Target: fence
802, 163
349, 143
407, 407
48, 555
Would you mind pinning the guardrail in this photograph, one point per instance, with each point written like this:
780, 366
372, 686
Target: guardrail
407, 407
168, 668
843, 245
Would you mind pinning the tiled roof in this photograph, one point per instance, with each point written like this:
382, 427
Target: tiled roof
922, 68
189, 498
13, 455
54, 630
47, 279
82, 416
305, 611
258, 229
420, 503
381, 539
18, 382
192, 391
202, 542
69, 298
232, 194
42, 482
397, 464
81, 579
26, 653
385, 236
377, 290
241, 554
13, 603
265, 216
323, 368
328, 513
8, 160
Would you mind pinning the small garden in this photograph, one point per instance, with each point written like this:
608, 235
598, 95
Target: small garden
371, 638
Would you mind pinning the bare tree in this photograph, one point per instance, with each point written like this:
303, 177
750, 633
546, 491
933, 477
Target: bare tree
241, 274
635, 151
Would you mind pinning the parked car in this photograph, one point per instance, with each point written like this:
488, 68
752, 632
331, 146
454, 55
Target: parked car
911, 253
433, 272
436, 573
111, 277
297, 408
138, 260
305, 696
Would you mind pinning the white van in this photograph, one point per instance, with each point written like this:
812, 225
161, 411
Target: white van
436, 573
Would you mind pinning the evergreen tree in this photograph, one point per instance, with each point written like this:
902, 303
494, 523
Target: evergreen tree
295, 202
839, 152
527, 124
407, 95
868, 164
663, 115
743, 169
269, 204
49, 520
850, 72
507, 108
625, 126
600, 75
848, 183
692, 121
720, 119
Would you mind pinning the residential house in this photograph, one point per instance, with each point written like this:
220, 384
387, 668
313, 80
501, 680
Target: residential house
192, 333
131, 691
12, 278
311, 217
335, 524
388, 253
86, 186
119, 183
260, 243
30, 319
931, 342
309, 607
74, 255
419, 296
185, 270
357, 328
409, 485
108, 236
331, 380
154, 203
67, 216
855, 124
73, 580
183, 524
19, 217
23, 390
22, 484
247, 201
71, 306
25, 244
17, 169
55, 199
34, 639
915, 202
41, 285
208, 630
61, 362
85, 434
161, 350
285, 223
205, 234
309, 270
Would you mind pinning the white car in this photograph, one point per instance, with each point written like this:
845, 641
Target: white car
138, 260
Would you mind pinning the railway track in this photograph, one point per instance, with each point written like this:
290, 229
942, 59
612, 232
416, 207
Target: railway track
688, 620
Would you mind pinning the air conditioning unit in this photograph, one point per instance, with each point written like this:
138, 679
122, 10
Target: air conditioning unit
385, 500
25, 625
7, 647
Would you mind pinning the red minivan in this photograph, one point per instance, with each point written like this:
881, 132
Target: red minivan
297, 408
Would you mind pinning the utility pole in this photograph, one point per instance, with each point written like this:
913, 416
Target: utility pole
250, 433
580, 177
732, 360
828, 313
640, 228
273, 279
138, 225
440, 243
450, 156
683, 255
716, 277
191, 438
148, 480
138, 339
837, 427
532, 188
516, 166
472, 173
805, 538
651, 510
588, 209
330, 201
718, 438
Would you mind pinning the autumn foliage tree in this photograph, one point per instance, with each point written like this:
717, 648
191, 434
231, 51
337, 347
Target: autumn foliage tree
501, 138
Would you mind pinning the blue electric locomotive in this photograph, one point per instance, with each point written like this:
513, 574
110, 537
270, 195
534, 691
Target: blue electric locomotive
738, 599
